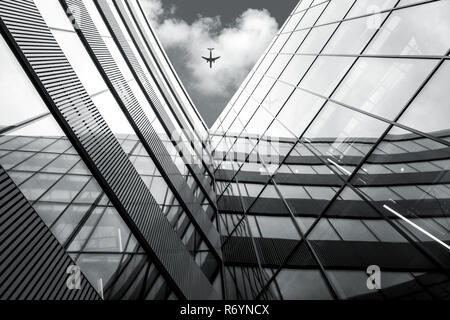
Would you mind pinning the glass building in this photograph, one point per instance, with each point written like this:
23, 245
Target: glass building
325, 177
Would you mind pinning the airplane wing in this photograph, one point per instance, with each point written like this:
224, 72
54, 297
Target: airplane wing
215, 59
207, 59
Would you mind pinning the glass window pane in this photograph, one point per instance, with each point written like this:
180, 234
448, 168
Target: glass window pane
273, 227
36, 163
383, 86
68, 222
294, 41
336, 10
16, 91
62, 164
317, 38
430, 111
352, 230
80, 61
279, 43
352, 36
296, 115
49, 212
418, 30
53, 14
342, 127
14, 158
311, 16
277, 97
372, 7
278, 65
302, 285
325, 74
66, 189
38, 184
296, 69
410, 199
113, 115
90, 193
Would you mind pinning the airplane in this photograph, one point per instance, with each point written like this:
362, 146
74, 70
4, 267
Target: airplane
211, 60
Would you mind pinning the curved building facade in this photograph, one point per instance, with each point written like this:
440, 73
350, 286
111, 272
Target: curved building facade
325, 177
332, 158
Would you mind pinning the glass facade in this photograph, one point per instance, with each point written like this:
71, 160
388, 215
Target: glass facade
49, 166
49, 172
333, 155
330, 160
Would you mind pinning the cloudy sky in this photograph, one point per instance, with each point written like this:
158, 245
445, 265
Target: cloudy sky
240, 30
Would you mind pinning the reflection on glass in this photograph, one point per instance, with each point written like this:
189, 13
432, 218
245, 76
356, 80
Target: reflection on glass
430, 110
300, 285
383, 86
415, 200
418, 30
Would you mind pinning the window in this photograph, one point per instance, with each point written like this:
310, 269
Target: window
418, 30
294, 41
310, 17
301, 285
352, 230
66, 189
317, 38
296, 69
296, 115
36, 162
383, 86
352, 36
278, 65
80, 61
68, 221
340, 126
325, 74
35, 187
53, 14
429, 111
16, 91
277, 97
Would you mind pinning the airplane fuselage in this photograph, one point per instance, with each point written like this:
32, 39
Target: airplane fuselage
211, 60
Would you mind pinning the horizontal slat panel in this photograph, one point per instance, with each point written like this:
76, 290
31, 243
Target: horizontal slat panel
33, 264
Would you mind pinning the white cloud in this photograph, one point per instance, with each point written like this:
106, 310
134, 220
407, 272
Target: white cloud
240, 46
154, 9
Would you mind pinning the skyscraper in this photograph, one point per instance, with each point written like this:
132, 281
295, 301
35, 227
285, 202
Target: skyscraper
333, 156
94, 121
326, 176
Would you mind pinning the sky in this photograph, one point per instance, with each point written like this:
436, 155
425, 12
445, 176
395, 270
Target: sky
240, 30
